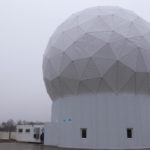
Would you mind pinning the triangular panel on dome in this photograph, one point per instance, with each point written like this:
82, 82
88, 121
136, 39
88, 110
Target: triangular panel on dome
95, 44
89, 44
63, 42
104, 87
121, 46
56, 62
130, 60
56, 87
129, 87
92, 84
146, 57
49, 88
65, 61
141, 42
52, 88
98, 25
87, 15
75, 52
149, 83
105, 52
107, 11
82, 88
102, 35
116, 37
49, 69
147, 36
55, 36
74, 33
140, 63
108, 19
142, 83
70, 72
142, 26
111, 77
90, 71
128, 15
103, 64
53, 51
133, 31
124, 75
72, 84
117, 21
86, 25
64, 88
123, 29
71, 22
80, 65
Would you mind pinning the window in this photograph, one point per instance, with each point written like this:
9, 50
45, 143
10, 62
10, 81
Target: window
27, 130
42, 130
36, 133
83, 133
129, 132
36, 136
36, 130
20, 130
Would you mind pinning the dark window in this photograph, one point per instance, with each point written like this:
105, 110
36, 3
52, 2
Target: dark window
37, 130
20, 130
129, 132
83, 132
27, 130
36, 136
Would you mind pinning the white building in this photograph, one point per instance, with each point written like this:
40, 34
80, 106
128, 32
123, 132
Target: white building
97, 72
29, 133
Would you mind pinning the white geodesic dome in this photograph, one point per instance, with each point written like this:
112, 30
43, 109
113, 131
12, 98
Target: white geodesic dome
100, 49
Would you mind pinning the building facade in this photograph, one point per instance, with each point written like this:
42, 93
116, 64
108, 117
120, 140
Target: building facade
29, 133
97, 73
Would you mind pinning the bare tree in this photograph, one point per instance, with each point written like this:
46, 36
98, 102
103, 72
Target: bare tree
8, 126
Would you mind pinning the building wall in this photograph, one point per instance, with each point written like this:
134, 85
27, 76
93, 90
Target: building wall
106, 117
5, 135
28, 137
51, 134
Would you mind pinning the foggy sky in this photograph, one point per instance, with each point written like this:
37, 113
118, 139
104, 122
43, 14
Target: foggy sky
25, 28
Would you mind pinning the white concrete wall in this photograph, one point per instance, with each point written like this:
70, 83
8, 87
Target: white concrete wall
106, 118
28, 137
13, 135
5, 135
51, 134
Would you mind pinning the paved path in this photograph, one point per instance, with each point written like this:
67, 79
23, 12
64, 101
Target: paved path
26, 146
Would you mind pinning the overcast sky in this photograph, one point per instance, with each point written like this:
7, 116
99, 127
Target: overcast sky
25, 28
